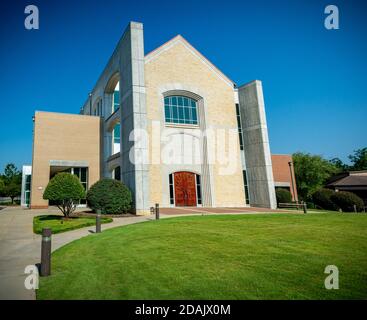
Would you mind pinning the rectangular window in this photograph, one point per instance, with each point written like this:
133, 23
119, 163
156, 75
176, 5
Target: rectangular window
171, 194
239, 125
117, 173
246, 186
82, 174
198, 189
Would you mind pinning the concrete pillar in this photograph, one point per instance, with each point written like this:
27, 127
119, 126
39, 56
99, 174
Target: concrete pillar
256, 145
134, 173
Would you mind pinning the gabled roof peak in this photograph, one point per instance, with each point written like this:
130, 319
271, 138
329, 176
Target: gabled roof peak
180, 39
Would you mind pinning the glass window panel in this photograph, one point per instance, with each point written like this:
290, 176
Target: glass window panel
83, 175
116, 97
175, 113
187, 114
179, 109
181, 113
77, 172
179, 101
167, 112
116, 133
194, 115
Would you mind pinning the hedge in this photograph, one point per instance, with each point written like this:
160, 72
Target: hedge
322, 198
346, 201
283, 195
110, 196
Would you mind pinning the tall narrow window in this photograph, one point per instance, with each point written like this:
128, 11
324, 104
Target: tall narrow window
116, 134
117, 173
180, 110
82, 174
171, 191
116, 101
246, 186
198, 189
239, 125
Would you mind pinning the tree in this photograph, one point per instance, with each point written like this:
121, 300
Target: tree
340, 165
12, 190
11, 173
311, 172
66, 190
12, 180
359, 159
2, 186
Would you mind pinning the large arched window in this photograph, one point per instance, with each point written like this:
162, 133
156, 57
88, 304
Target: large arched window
180, 110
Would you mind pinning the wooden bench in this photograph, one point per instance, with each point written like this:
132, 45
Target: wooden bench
293, 205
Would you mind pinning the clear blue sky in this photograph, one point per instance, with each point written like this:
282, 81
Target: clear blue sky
314, 79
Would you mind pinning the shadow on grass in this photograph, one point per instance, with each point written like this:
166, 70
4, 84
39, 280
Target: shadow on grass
59, 223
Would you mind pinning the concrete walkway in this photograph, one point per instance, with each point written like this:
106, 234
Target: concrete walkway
20, 247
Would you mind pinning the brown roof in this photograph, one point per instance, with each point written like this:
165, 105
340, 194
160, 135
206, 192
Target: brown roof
357, 178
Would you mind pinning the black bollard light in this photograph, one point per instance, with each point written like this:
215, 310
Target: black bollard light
46, 252
98, 221
157, 211
304, 207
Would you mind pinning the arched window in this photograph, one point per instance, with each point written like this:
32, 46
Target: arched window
181, 110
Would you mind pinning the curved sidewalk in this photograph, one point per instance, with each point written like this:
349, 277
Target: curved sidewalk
20, 247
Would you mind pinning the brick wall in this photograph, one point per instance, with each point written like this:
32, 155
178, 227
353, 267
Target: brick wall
282, 173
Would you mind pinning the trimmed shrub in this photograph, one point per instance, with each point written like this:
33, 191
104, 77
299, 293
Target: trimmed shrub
322, 198
346, 200
283, 195
110, 196
65, 190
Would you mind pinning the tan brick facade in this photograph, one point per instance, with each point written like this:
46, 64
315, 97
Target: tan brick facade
179, 67
63, 137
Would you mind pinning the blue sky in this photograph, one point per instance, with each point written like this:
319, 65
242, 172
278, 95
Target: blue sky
314, 79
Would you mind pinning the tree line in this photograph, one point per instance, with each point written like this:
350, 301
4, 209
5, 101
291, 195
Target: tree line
313, 171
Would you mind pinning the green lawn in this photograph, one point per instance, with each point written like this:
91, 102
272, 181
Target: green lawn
58, 224
264, 256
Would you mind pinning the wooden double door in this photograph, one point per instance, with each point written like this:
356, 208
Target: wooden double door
185, 189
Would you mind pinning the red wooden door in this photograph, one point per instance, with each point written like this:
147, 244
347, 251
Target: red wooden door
185, 188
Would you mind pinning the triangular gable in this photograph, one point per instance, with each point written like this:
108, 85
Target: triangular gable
179, 39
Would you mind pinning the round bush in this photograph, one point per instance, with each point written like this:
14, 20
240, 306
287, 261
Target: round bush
65, 190
110, 196
346, 200
322, 198
283, 195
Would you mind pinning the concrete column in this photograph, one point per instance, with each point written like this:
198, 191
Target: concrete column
134, 173
256, 145
206, 193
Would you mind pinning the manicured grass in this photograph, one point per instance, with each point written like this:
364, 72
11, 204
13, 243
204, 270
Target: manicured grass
58, 224
263, 256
